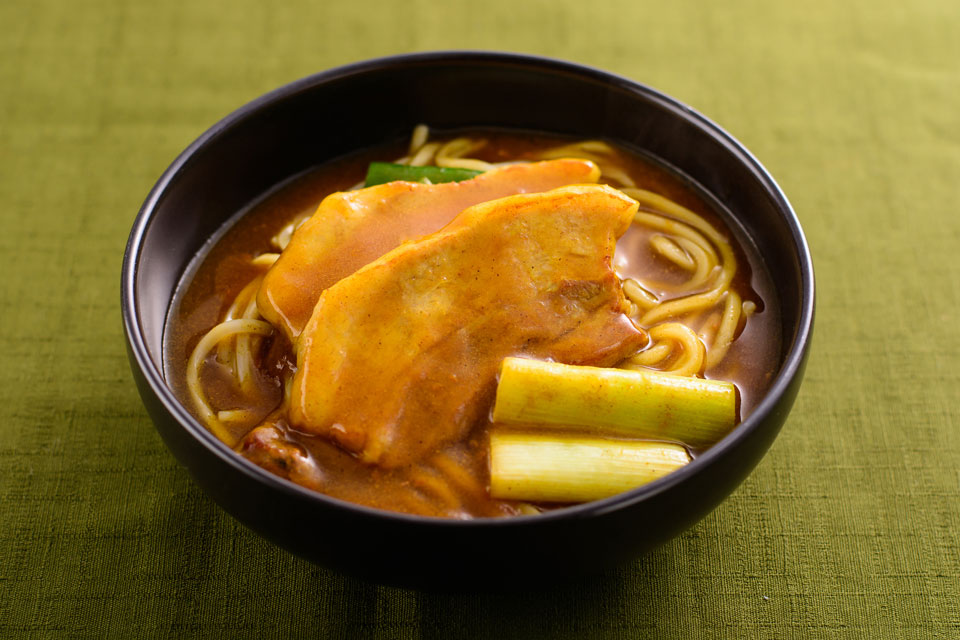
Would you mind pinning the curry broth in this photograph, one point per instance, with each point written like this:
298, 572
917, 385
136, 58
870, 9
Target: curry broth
211, 284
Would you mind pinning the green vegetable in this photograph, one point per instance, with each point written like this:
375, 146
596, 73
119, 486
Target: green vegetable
382, 172
639, 404
553, 467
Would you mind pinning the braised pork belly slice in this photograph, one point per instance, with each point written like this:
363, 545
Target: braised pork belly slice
353, 228
401, 357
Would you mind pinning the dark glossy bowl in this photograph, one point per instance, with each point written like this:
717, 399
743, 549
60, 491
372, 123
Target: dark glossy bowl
326, 115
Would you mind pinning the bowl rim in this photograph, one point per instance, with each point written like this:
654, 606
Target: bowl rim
794, 353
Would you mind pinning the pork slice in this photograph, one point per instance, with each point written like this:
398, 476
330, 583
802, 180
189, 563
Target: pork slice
401, 357
352, 228
269, 448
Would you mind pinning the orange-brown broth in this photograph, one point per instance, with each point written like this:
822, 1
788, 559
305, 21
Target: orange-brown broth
454, 482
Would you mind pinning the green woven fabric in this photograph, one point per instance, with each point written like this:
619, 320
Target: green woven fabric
850, 527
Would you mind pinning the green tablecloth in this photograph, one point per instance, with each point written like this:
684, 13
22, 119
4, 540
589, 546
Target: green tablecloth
850, 527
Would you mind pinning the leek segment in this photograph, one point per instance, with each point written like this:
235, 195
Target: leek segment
637, 404
561, 468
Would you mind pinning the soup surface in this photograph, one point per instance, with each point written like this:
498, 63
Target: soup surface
737, 333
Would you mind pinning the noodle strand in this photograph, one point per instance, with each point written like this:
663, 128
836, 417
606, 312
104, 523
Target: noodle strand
669, 338
728, 326
451, 155
212, 338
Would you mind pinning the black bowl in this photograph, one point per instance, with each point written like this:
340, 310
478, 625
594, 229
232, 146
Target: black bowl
334, 112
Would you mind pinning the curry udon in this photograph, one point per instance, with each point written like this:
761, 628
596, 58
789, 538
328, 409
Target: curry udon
361, 340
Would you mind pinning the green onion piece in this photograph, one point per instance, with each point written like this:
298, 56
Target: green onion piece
382, 172
554, 467
638, 404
